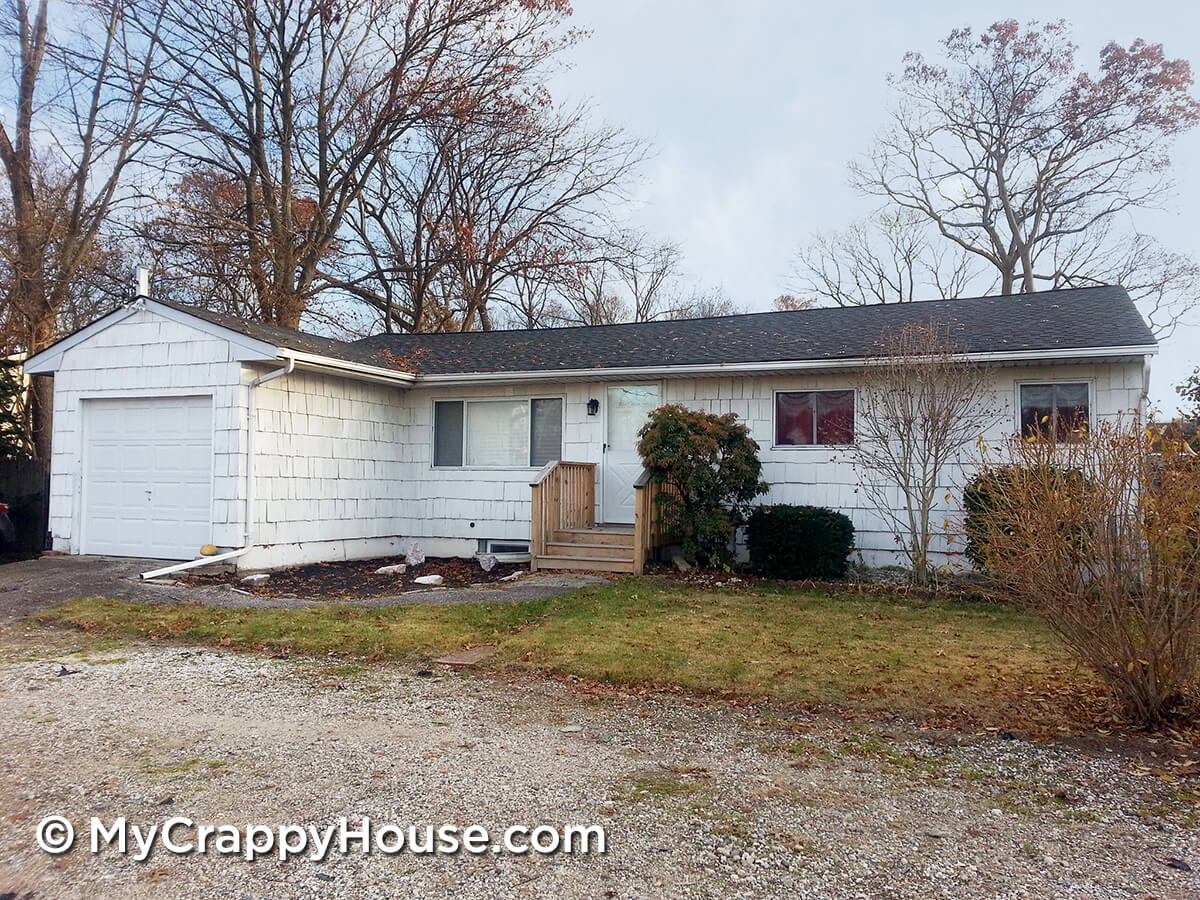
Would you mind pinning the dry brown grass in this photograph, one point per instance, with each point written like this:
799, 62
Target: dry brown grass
937, 662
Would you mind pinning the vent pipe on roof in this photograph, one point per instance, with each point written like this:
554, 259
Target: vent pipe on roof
141, 276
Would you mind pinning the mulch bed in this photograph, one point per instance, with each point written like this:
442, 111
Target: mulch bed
357, 578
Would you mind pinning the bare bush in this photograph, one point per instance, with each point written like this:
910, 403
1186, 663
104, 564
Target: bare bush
1100, 536
923, 403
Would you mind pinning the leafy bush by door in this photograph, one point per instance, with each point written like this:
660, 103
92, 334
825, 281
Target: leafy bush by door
711, 463
799, 542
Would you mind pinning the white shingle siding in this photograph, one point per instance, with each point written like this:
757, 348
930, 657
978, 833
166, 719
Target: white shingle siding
328, 476
801, 475
344, 467
146, 355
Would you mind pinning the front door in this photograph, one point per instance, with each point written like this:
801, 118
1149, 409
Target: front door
626, 411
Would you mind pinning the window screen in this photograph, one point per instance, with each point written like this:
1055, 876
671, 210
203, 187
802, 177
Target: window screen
545, 441
448, 433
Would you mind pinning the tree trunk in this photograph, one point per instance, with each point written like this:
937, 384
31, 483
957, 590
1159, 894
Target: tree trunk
41, 414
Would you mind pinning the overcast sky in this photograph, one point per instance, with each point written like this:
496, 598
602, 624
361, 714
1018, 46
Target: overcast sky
753, 109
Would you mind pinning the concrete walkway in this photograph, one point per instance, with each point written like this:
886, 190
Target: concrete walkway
35, 584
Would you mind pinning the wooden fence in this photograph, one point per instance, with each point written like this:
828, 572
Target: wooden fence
25, 487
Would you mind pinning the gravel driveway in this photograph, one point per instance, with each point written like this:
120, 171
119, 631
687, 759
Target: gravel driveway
698, 800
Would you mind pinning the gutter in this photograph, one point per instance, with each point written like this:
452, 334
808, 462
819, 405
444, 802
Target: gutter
341, 366
247, 533
720, 369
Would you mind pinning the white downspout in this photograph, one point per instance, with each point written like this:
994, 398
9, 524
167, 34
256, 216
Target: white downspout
251, 430
247, 530
1144, 406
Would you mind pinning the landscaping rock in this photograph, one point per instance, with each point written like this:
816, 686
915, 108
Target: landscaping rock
398, 569
415, 555
487, 561
681, 564
256, 579
428, 579
469, 657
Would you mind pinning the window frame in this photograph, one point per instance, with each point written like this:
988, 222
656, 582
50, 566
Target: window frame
1090, 383
528, 400
775, 445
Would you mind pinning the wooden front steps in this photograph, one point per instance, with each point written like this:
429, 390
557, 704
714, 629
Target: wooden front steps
601, 548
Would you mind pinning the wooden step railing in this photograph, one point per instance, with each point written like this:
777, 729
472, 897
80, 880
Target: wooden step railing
564, 496
649, 531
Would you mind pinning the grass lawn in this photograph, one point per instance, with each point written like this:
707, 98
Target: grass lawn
934, 661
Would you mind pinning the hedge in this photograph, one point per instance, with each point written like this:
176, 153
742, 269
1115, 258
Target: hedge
799, 542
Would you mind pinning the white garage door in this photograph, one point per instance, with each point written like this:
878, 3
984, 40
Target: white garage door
147, 476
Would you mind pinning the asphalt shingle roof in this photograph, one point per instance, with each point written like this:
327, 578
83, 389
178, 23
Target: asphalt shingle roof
1078, 318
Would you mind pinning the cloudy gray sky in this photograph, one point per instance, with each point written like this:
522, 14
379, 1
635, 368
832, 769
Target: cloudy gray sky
753, 109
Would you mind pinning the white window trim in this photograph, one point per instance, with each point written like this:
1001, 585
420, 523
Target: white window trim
1091, 386
502, 399
775, 445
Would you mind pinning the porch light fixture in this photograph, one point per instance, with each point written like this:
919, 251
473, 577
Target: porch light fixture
593, 406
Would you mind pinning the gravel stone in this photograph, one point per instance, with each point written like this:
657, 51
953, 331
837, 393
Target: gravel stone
699, 800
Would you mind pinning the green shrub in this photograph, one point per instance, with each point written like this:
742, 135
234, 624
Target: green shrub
990, 507
709, 464
981, 499
799, 542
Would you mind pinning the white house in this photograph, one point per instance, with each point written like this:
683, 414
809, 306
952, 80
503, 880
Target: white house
176, 427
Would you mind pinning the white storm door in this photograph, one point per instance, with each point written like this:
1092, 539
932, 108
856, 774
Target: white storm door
625, 413
147, 477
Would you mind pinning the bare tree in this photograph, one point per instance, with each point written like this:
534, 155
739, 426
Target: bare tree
533, 303
202, 251
889, 258
1164, 283
1016, 155
506, 192
592, 296
705, 304
78, 123
397, 260
790, 302
922, 403
530, 196
648, 270
300, 103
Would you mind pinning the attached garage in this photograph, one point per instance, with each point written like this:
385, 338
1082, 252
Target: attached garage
147, 476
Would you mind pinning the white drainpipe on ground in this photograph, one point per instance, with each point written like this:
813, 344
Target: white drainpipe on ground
247, 531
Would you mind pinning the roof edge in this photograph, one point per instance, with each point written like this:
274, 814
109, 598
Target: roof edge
48, 361
767, 367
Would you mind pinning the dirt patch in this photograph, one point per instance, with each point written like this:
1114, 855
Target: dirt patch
357, 579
